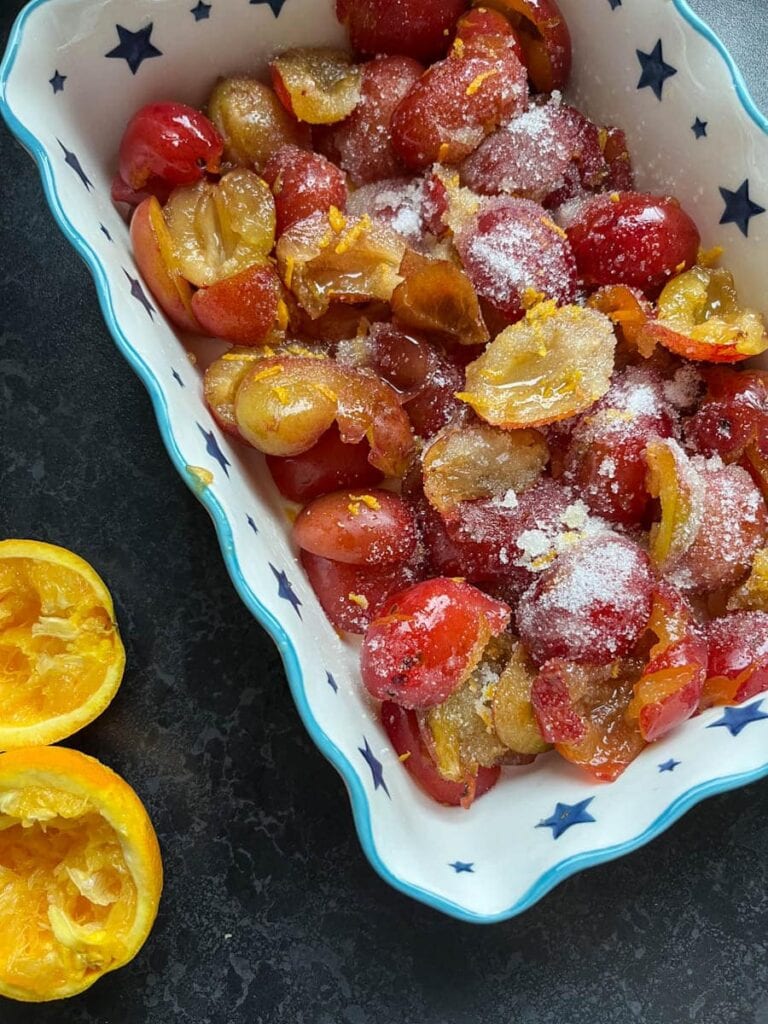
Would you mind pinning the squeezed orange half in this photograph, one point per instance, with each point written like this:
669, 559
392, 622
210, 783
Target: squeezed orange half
80, 873
61, 657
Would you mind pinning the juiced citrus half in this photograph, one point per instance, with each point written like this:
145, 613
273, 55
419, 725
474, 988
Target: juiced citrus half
61, 657
80, 873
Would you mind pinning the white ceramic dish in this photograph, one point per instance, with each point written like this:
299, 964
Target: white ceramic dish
74, 72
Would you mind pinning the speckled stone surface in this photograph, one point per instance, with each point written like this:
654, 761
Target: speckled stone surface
271, 914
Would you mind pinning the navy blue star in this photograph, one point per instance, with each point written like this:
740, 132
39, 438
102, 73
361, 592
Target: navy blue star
332, 682
202, 11
737, 719
57, 82
670, 765
212, 447
285, 589
566, 816
699, 128
377, 772
138, 293
461, 867
105, 232
655, 70
71, 160
739, 208
253, 525
134, 47
276, 5
614, 4
177, 378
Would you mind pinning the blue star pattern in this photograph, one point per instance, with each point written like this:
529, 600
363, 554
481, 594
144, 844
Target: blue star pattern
71, 161
253, 525
670, 765
285, 589
57, 82
655, 70
739, 208
134, 47
735, 720
699, 128
377, 772
462, 867
331, 682
566, 816
105, 232
201, 11
276, 5
213, 449
139, 294
177, 378
614, 4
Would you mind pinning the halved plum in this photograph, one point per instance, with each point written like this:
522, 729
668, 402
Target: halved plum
427, 641
630, 238
460, 733
605, 457
323, 261
680, 490
549, 154
582, 710
221, 381
244, 308
456, 103
252, 121
514, 720
399, 204
168, 142
327, 466
474, 27
286, 403
699, 317
408, 27
734, 527
426, 379
221, 229
738, 658
669, 689
733, 415
627, 309
513, 253
318, 85
732, 421
543, 34
752, 595
713, 519
361, 145
402, 728
505, 541
479, 461
303, 183
529, 157
353, 596
591, 605
552, 365
153, 251
437, 296
371, 528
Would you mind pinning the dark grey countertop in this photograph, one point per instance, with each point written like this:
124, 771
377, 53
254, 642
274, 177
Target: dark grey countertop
271, 913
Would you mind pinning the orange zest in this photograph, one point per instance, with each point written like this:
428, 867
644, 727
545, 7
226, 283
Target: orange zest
80, 873
61, 657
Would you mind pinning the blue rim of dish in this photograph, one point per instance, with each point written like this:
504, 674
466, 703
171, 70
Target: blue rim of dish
357, 792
